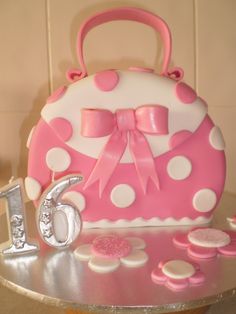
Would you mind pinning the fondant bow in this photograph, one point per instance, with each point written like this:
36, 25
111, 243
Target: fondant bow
150, 119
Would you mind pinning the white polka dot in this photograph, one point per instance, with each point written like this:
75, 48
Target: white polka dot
83, 252
30, 137
75, 198
33, 188
122, 195
204, 200
209, 237
179, 168
58, 159
216, 138
136, 258
137, 243
178, 269
103, 265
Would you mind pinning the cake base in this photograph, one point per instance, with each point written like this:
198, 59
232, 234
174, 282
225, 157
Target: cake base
57, 277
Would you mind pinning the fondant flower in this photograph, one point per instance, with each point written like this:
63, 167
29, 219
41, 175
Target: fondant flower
177, 274
207, 243
232, 221
107, 252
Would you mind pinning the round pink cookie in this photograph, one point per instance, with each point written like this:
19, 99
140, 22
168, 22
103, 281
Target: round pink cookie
106, 80
111, 246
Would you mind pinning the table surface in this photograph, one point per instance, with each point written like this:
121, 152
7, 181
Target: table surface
56, 277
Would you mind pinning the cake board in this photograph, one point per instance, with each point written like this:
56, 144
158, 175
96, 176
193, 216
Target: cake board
56, 277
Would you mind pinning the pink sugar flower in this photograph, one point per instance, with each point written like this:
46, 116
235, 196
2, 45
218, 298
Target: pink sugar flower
177, 274
206, 243
107, 252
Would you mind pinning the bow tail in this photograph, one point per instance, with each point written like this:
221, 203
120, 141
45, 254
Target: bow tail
143, 159
108, 160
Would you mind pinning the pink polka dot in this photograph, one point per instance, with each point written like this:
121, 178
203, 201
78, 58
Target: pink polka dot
106, 81
185, 93
62, 128
57, 94
178, 138
111, 246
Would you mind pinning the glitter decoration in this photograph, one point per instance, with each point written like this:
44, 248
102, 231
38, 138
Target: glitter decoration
107, 252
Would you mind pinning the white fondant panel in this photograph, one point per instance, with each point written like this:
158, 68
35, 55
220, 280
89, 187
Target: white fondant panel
134, 89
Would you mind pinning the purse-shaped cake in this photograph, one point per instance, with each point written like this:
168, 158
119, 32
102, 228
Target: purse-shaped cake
147, 149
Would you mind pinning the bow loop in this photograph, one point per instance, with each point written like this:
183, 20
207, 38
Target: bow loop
151, 119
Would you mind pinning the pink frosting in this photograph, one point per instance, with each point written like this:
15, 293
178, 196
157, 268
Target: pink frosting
185, 93
178, 138
57, 94
208, 171
111, 246
62, 128
106, 80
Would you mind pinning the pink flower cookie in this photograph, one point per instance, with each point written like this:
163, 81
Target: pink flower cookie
177, 274
232, 221
107, 252
207, 243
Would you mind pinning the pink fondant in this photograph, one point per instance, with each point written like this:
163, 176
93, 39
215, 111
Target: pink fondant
175, 196
181, 240
229, 250
132, 14
201, 252
62, 128
141, 69
57, 94
106, 80
197, 278
158, 276
111, 246
149, 119
178, 138
185, 93
176, 74
178, 285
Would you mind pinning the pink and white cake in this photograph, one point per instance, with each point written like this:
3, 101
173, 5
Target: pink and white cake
147, 149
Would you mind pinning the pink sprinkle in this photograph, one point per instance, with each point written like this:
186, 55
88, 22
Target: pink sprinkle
57, 94
178, 138
185, 93
111, 246
62, 128
106, 81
